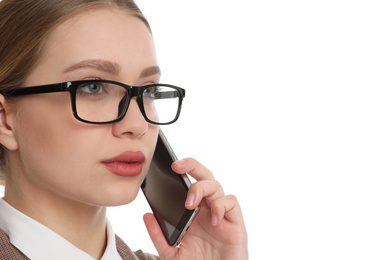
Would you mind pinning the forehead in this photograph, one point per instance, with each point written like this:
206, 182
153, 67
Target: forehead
105, 34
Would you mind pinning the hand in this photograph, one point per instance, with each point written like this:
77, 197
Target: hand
218, 231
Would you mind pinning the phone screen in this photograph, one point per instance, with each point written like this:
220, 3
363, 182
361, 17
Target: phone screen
166, 193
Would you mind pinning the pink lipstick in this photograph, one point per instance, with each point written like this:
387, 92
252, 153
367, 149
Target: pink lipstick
126, 164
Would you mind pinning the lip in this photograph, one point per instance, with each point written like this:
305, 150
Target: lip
126, 164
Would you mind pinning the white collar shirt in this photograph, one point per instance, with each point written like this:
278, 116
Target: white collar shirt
38, 242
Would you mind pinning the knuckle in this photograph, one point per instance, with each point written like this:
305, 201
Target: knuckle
218, 187
232, 197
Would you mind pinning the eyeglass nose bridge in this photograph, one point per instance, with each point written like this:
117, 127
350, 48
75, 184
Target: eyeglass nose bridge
124, 104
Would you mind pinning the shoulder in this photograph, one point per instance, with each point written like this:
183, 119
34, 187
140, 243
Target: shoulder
7, 250
126, 253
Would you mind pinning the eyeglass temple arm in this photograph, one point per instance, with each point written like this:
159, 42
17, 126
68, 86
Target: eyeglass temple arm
166, 95
37, 90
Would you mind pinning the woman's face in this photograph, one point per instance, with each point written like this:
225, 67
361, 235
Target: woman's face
61, 156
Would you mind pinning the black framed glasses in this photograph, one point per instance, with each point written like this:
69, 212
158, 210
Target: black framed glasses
106, 101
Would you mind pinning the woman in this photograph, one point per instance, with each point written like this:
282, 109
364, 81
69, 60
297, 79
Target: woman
66, 159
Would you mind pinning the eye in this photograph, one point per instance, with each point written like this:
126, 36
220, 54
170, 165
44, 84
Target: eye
91, 88
150, 92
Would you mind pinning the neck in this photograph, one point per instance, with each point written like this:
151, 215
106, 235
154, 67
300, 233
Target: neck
82, 225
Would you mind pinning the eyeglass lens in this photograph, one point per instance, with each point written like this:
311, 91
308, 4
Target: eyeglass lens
104, 102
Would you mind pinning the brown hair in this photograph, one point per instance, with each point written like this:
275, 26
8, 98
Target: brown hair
24, 28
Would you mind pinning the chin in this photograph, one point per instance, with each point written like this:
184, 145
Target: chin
118, 195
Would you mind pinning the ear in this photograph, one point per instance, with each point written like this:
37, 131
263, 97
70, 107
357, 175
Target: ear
7, 136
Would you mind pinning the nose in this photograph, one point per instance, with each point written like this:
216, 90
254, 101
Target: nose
133, 124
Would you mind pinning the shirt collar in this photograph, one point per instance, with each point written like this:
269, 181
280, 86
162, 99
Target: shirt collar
39, 242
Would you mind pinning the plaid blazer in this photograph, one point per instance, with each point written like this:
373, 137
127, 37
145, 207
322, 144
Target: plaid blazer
9, 252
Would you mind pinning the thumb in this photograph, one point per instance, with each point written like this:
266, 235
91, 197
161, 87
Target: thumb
158, 239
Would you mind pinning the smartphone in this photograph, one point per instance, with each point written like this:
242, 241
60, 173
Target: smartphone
166, 193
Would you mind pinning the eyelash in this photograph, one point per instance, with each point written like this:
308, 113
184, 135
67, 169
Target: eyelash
141, 85
148, 83
93, 78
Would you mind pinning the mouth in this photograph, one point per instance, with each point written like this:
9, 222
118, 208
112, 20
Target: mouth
126, 164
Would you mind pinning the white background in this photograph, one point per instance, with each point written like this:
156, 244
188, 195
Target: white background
288, 104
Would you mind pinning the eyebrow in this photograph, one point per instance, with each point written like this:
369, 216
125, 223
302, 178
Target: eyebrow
150, 72
110, 67
102, 65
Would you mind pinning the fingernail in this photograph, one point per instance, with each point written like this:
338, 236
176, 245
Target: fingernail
190, 200
214, 220
180, 161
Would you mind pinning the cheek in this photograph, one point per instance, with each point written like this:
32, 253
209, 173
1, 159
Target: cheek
63, 155
41, 129
46, 138
61, 158
41, 120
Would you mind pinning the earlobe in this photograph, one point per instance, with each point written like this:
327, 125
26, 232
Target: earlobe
7, 136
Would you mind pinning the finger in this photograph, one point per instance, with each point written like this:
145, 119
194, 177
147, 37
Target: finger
193, 168
225, 207
208, 190
157, 236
